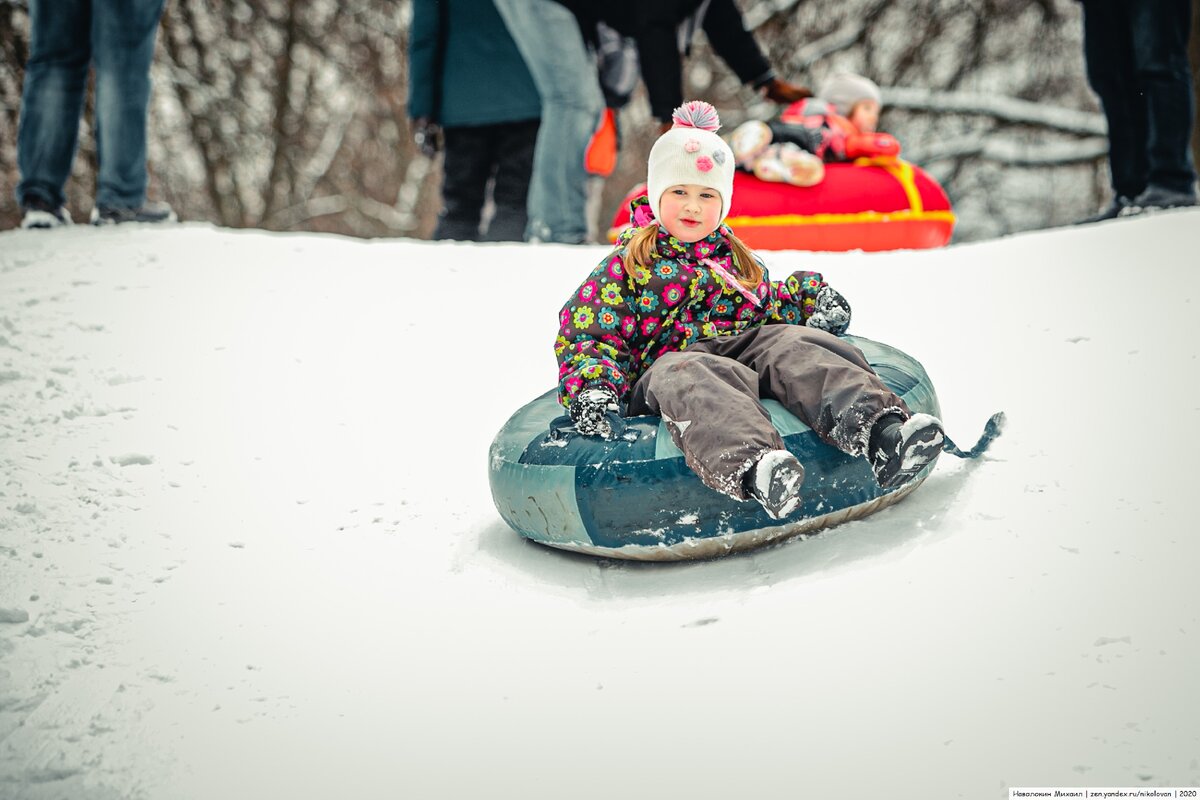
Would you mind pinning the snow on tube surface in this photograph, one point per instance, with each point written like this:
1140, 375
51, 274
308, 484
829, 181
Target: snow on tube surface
863, 205
635, 498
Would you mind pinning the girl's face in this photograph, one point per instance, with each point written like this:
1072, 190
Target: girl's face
865, 116
690, 212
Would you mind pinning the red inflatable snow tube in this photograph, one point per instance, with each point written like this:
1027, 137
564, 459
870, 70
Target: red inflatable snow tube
869, 204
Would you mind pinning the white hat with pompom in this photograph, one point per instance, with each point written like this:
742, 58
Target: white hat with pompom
691, 153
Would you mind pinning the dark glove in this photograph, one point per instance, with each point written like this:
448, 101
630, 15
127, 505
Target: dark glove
806, 138
832, 313
428, 136
784, 92
595, 412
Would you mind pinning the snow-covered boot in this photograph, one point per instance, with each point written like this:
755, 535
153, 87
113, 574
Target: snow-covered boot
749, 141
37, 213
803, 168
775, 482
900, 448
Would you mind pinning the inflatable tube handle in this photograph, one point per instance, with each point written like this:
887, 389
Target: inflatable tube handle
991, 430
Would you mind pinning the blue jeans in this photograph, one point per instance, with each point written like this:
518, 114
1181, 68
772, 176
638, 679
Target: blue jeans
564, 72
67, 38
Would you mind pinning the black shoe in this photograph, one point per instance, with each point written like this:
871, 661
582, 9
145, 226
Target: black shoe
151, 211
775, 482
1114, 209
902, 448
1156, 198
36, 213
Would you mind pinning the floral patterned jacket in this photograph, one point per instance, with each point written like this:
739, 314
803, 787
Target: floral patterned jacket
626, 316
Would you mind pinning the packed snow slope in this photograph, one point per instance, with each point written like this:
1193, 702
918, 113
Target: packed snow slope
247, 547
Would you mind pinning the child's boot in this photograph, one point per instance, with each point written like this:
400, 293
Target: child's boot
749, 141
775, 482
803, 168
771, 169
900, 448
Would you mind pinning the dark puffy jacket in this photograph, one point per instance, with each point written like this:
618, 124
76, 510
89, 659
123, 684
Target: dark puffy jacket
464, 67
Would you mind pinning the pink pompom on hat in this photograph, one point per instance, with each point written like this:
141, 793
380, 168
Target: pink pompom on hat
691, 153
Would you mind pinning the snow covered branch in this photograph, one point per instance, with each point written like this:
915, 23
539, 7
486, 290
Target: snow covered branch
758, 14
841, 39
1013, 153
1005, 109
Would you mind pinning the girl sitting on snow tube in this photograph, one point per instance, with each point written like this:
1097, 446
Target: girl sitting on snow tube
681, 321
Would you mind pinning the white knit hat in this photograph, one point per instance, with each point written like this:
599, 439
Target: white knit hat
691, 153
843, 89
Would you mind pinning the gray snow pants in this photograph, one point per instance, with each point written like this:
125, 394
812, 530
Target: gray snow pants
709, 397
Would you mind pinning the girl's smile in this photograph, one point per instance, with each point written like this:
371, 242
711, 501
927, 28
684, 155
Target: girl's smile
690, 212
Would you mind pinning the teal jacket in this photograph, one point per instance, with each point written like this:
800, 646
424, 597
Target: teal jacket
464, 68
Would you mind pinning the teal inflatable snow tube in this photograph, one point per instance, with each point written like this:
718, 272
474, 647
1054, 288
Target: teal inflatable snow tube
636, 498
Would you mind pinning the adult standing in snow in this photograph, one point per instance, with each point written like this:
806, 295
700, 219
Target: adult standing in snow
67, 39
572, 105
471, 94
1137, 62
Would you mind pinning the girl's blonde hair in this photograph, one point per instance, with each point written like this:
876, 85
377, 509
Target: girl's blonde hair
640, 251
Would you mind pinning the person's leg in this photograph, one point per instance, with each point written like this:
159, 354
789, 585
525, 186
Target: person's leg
513, 150
123, 33
710, 404
823, 380
549, 39
465, 172
1108, 51
726, 32
52, 97
829, 385
1163, 76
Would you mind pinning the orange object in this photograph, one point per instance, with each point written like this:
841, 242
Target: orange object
871, 145
869, 204
600, 158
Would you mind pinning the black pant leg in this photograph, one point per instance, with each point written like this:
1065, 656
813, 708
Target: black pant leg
737, 47
465, 173
512, 150
1163, 77
1108, 51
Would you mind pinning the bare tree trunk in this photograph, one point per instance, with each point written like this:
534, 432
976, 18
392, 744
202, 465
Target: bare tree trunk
277, 193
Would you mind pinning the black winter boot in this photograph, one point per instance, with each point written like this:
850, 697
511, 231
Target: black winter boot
150, 211
775, 482
900, 448
1157, 198
1114, 209
36, 213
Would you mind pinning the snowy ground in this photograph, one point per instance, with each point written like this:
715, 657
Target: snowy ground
247, 547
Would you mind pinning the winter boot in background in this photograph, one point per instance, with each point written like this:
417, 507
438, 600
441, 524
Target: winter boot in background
803, 168
1157, 198
151, 211
1114, 209
38, 214
900, 448
749, 141
775, 482
788, 163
